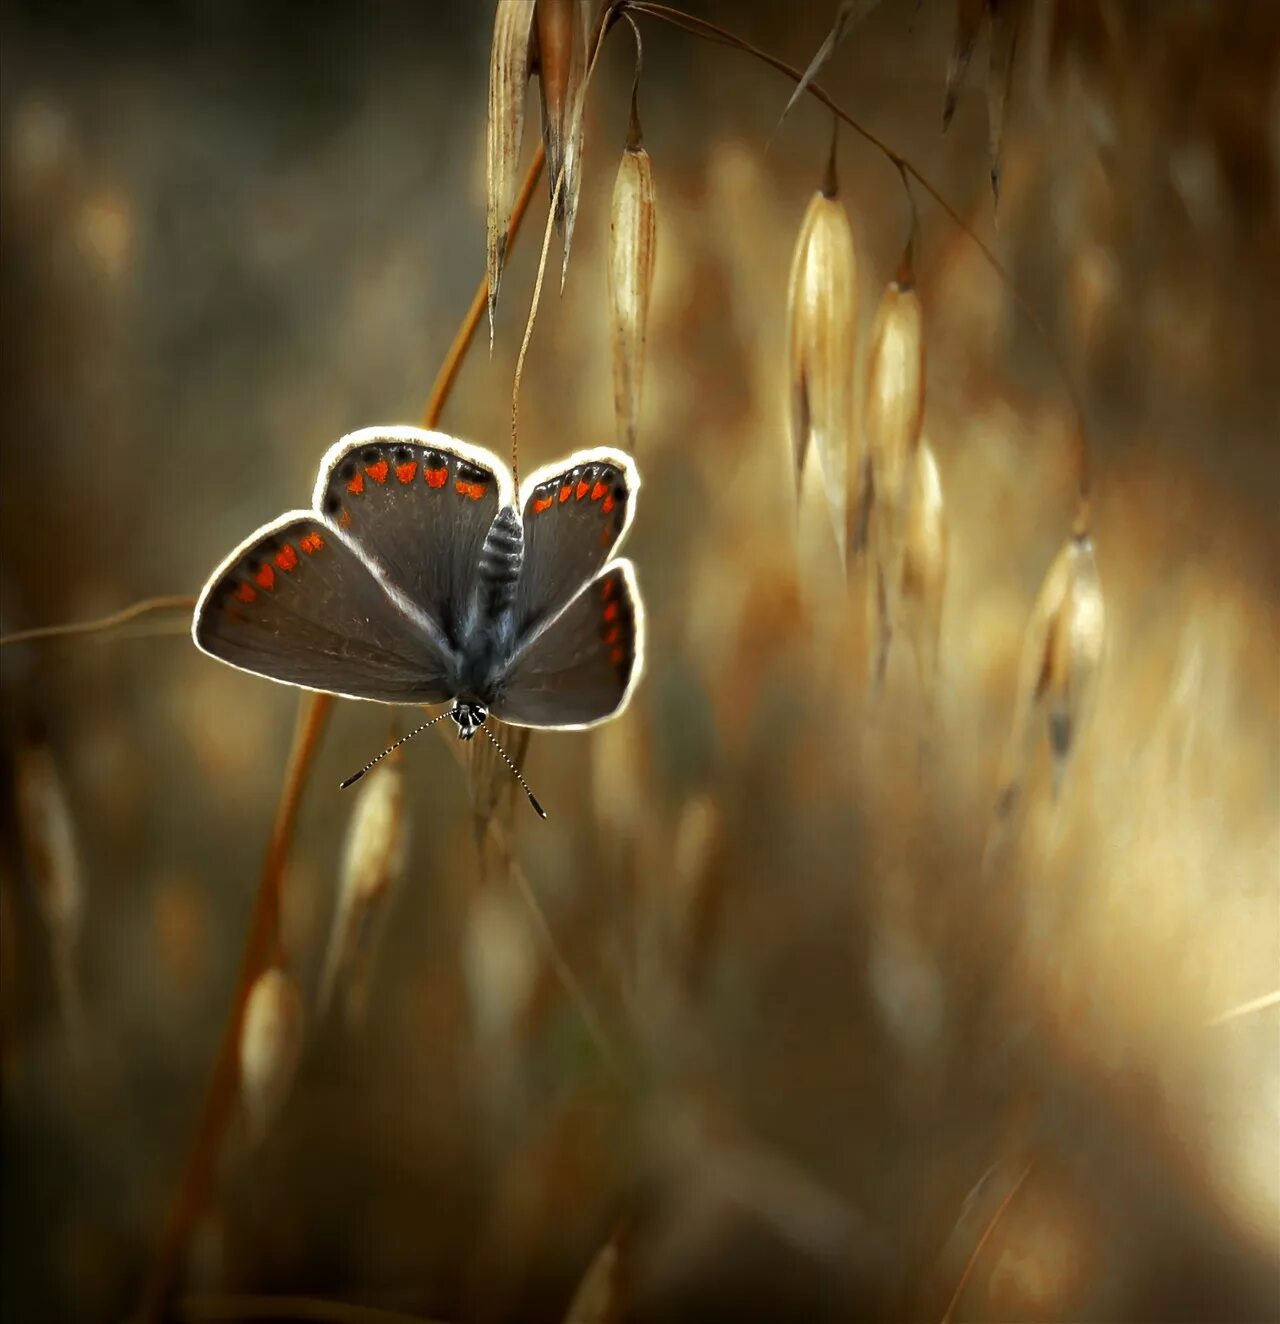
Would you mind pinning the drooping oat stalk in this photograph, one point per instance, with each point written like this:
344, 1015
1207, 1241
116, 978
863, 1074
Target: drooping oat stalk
170, 602
632, 229
822, 319
504, 133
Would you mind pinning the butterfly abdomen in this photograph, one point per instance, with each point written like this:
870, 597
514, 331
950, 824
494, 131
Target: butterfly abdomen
500, 560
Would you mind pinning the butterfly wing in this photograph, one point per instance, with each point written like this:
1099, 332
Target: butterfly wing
296, 604
582, 667
575, 515
417, 506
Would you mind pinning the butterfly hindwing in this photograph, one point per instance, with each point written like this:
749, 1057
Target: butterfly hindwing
295, 603
575, 515
417, 505
581, 668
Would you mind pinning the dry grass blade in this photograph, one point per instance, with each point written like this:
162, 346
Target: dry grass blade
49, 845
182, 602
373, 862
969, 16
924, 573
508, 78
270, 1046
822, 315
848, 15
1061, 657
598, 1297
892, 418
632, 231
1005, 17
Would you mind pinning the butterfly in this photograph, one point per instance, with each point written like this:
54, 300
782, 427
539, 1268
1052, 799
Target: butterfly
420, 576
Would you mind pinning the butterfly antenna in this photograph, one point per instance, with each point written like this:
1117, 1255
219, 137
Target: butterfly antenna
506, 758
391, 749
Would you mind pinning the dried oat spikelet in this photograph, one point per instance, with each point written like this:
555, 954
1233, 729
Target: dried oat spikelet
1061, 657
48, 839
270, 1046
969, 16
598, 1297
373, 863
822, 314
892, 416
924, 572
508, 78
561, 30
1005, 16
632, 229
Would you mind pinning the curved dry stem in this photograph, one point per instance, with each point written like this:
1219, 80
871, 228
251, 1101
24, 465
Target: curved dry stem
263, 942
699, 27
168, 602
982, 1241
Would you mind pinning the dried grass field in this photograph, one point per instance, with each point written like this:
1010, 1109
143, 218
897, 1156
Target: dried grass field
909, 947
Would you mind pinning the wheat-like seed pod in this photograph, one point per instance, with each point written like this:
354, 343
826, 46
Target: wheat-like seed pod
48, 840
822, 315
373, 862
924, 572
1061, 657
631, 251
508, 78
562, 35
598, 1296
892, 416
270, 1046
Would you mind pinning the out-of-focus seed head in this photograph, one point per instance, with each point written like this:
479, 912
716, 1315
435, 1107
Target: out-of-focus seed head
270, 1046
892, 416
822, 314
1061, 658
373, 862
924, 569
598, 1297
48, 839
508, 78
632, 230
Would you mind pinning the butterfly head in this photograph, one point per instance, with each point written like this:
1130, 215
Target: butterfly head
469, 717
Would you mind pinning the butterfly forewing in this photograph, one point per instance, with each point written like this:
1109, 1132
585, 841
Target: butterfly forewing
417, 505
582, 667
296, 604
575, 514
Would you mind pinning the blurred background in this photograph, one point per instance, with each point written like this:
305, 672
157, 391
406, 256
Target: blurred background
811, 1056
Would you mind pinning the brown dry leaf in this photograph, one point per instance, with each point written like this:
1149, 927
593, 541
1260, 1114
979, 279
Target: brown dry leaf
49, 845
969, 16
891, 422
822, 317
1005, 17
598, 1298
632, 231
1061, 657
508, 78
373, 862
270, 1046
924, 573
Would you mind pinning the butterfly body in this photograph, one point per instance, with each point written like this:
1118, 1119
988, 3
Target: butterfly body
420, 575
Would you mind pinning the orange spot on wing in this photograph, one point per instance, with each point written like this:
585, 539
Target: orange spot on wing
611, 612
607, 589
406, 472
356, 483
614, 635
265, 575
344, 519
583, 488
312, 542
608, 503
436, 477
599, 490
286, 558
473, 490
377, 470
564, 492
616, 657
542, 503
246, 593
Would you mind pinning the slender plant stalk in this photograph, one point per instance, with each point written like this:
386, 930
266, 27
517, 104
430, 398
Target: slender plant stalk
170, 602
263, 942
711, 32
982, 1241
